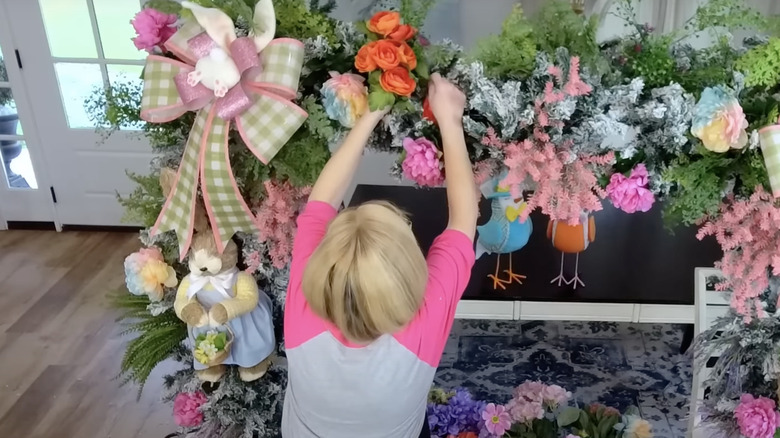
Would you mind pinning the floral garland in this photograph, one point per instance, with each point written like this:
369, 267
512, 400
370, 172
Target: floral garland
639, 120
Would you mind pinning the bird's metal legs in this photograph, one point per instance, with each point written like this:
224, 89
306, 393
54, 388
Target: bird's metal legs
497, 282
560, 279
512, 276
576, 278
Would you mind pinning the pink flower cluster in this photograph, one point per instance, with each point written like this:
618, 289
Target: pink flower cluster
423, 162
749, 232
276, 218
186, 408
153, 28
564, 187
630, 194
530, 399
757, 417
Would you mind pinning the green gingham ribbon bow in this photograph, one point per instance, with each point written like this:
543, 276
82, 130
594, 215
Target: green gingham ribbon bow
225, 80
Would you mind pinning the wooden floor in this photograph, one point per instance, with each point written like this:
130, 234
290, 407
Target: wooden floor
59, 343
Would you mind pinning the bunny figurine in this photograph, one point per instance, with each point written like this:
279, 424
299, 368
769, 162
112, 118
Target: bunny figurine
215, 295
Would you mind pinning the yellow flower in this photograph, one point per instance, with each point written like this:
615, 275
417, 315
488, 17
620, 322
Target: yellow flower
200, 356
638, 428
155, 274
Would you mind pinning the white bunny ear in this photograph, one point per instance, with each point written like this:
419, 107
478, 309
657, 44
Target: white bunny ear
263, 24
216, 23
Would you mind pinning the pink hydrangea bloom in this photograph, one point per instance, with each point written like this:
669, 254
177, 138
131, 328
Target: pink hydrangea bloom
630, 194
554, 395
186, 408
530, 390
496, 419
422, 163
153, 28
524, 411
757, 417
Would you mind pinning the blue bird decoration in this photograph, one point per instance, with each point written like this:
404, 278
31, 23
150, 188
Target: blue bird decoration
504, 233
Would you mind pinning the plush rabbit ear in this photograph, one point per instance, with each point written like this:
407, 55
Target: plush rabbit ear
167, 180
263, 24
201, 222
216, 23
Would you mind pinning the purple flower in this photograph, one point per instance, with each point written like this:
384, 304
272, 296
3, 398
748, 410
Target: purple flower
461, 414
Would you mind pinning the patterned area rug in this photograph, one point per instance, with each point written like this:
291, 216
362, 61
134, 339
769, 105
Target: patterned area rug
617, 364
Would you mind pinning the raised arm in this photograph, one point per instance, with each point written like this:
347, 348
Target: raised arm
447, 103
338, 172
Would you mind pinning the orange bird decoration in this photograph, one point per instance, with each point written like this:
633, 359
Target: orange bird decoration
571, 239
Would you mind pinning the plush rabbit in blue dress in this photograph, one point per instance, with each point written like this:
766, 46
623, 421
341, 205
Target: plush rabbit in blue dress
505, 232
216, 297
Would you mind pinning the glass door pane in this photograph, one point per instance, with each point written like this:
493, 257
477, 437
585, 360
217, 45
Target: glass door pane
16, 161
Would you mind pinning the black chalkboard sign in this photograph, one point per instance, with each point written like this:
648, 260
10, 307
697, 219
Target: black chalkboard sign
634, 259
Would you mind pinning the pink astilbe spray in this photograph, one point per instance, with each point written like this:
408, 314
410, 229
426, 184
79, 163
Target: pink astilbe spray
276, 218
749, 233
564, 187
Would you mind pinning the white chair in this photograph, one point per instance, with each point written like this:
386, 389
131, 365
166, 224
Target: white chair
709, 305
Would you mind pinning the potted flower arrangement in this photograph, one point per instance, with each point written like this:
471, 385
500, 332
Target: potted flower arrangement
9, 120
536, 410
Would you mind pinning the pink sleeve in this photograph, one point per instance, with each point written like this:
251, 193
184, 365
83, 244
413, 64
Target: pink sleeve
300, 324
450, 260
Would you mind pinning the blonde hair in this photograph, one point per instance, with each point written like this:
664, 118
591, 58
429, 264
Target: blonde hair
368, 274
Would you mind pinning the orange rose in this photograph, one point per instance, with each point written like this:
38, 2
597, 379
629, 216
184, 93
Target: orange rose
397, 81
406, 55
386, 54
364, 61
384, 22
403, 32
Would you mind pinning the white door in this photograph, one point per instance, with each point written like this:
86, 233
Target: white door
24, 189
68, 48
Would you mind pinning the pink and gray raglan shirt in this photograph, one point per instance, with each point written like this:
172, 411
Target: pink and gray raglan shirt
339, 389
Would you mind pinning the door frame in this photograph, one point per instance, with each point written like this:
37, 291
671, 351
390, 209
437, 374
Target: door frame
75, 191
24, 205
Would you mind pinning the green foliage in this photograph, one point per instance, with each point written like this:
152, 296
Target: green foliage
709, 67
237, 10
157, 337
167, 6
557, 25
301, 160
414, 12
511, 53
701, 180
380, 99
729, 14
143, 205
652, 59
761, 65
294, 19
6, 96
318, 122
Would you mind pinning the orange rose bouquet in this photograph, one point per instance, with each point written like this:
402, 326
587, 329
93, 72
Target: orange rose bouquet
391, 59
